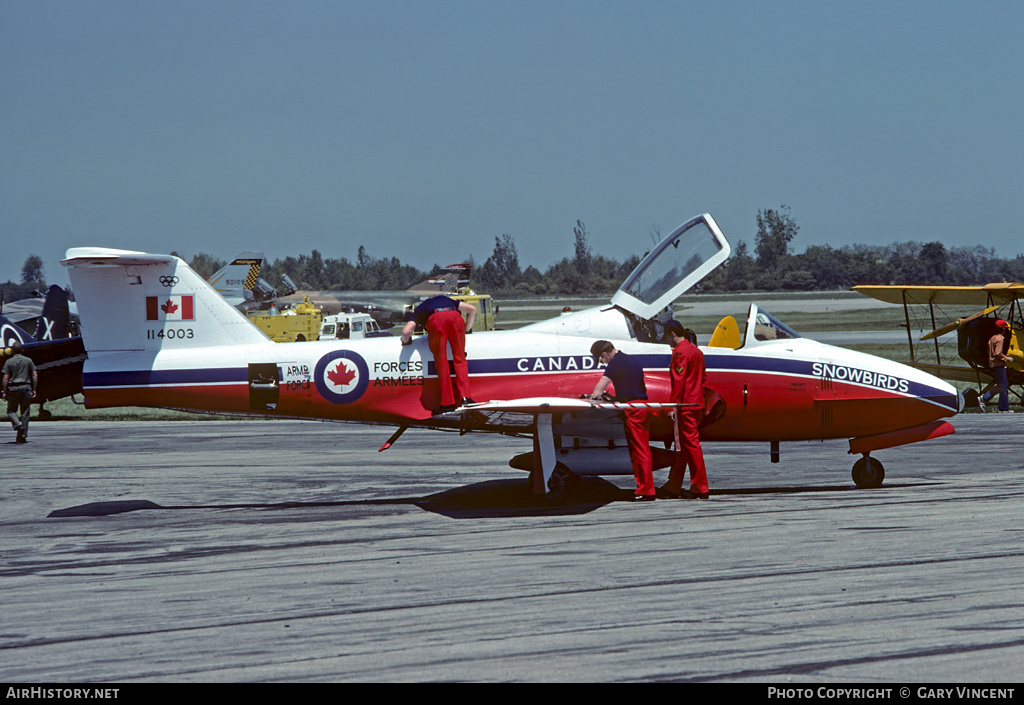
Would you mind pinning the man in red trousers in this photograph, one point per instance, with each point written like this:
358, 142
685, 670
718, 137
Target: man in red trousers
627, 375
687, 375
442, 318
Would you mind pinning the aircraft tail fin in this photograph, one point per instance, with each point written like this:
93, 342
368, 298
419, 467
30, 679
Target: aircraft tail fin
134, 301
237, 279
55, 321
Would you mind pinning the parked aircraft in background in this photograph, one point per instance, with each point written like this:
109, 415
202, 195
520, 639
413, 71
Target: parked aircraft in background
958, 306
239, 282
386, 307
159, 336
57, 353
26, 312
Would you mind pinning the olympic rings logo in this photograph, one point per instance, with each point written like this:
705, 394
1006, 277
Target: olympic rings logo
168, 281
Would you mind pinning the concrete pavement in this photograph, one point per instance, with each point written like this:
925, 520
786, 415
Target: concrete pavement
294, 551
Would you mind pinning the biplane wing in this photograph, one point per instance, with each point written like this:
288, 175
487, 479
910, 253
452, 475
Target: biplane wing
954, 373
1000, 293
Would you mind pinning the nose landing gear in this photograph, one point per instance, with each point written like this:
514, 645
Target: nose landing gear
868, 472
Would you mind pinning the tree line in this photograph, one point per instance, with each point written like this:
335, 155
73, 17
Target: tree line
771, 266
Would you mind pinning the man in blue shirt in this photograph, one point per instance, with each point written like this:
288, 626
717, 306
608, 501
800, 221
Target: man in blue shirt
627, 375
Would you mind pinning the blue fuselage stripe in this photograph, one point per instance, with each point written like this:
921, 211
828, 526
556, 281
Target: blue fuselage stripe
146, 378
563, 363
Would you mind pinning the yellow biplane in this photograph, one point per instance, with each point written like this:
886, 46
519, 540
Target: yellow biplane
973, 330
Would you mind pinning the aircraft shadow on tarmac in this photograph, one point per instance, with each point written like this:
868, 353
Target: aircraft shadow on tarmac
495, 498
485, 499
507, 498
513, 498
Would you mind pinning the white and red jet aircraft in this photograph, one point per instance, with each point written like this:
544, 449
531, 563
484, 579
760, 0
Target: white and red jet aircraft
158, 335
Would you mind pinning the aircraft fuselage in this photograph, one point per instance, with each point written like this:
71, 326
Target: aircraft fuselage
780, 391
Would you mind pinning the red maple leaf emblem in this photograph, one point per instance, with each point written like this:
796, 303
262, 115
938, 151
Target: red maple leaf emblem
169, 307
341, 375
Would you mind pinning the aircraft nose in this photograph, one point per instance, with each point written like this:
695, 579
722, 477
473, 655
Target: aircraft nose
948, 400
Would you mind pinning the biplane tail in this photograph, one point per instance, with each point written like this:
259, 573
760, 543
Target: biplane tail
55, 321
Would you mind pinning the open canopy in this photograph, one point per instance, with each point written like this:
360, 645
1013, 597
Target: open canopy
679, 261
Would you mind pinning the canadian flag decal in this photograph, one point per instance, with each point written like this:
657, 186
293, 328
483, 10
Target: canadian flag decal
170, 308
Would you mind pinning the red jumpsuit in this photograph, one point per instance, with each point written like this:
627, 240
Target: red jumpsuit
637, 423
444, 328
627, 374
688, 375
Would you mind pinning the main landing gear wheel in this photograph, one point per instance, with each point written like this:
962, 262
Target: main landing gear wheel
559, 481
868, 472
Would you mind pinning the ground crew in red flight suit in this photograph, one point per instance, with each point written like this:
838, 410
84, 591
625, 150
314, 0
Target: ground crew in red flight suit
627, 374
687, 375
442, 318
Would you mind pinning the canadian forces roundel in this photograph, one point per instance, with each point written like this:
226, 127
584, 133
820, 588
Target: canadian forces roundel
341, 376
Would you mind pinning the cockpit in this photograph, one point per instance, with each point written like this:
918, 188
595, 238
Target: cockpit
674, 266
764, 327
678, 263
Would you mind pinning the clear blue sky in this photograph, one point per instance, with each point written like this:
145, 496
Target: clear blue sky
424, 129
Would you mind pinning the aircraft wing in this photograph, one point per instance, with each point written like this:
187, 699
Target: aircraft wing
954, 373
512, 414
538, 415
24, 310
59, 364
560, 405
999, 293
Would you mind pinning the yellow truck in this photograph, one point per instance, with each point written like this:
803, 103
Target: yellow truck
486, 311
297, 323
305, 321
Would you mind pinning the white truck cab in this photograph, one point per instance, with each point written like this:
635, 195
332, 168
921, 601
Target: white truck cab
350, 326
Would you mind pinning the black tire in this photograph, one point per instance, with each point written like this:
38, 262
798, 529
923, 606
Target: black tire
868, 473
559, 482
